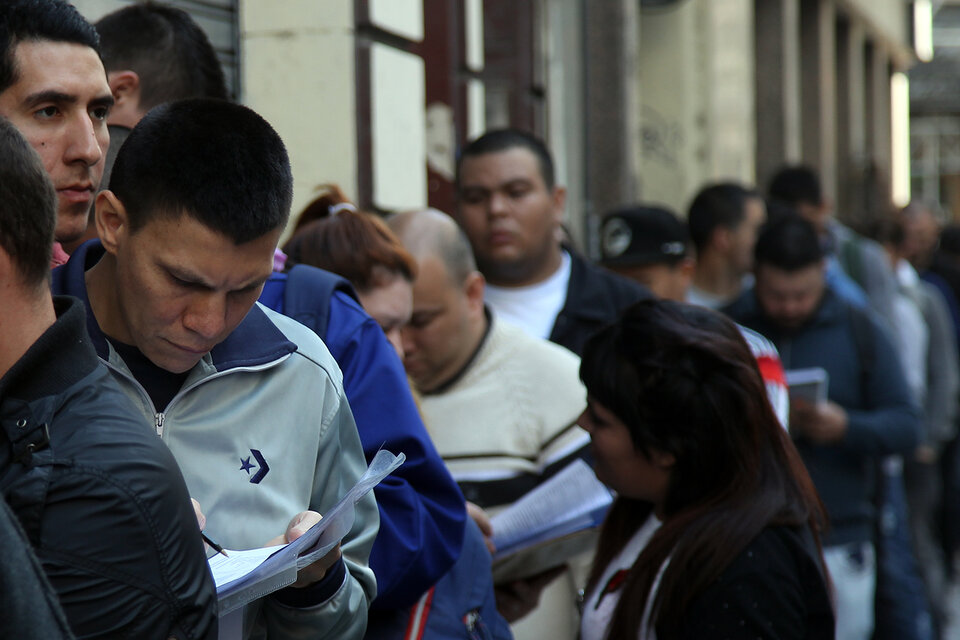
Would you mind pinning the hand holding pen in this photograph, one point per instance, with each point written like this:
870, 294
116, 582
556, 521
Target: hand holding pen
202, 522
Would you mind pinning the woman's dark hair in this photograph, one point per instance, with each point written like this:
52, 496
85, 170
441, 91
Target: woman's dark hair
684, 382
333, 235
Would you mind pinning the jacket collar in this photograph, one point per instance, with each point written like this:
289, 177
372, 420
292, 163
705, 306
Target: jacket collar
256, 341
61, 356
746, 308
584, 298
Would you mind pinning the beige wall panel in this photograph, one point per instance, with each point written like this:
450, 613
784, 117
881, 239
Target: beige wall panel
298, 72
733, 111
402, 17
674, 91
398, 129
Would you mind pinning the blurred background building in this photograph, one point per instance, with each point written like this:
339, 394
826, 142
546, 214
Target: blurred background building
637, 98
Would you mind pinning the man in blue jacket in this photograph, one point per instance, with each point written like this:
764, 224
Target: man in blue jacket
868, 413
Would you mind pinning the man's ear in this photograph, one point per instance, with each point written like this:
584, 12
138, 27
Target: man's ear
473, 287
720, 239
112, 222
559, 197
125, 87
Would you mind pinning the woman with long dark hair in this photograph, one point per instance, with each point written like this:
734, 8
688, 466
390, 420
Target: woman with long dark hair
715, 531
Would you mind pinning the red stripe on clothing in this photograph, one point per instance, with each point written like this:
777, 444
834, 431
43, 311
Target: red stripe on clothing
418, 616
771, 370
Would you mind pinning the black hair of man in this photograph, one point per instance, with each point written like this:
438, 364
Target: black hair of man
723, 204
217, 162
28, 208
789, 244
168, 51
796, 185
505, 139
54, 20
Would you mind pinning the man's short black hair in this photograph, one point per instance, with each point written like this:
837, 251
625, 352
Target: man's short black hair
717, 205
54, 20
796, 185
28, 207
217, 162
789, 244
505, 139
166, 48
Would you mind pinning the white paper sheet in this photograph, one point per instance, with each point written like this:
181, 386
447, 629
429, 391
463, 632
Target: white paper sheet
239, 563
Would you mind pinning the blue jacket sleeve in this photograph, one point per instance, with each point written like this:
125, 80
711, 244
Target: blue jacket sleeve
422, 513
889, 422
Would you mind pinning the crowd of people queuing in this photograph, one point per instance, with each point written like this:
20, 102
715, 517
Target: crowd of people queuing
177, 371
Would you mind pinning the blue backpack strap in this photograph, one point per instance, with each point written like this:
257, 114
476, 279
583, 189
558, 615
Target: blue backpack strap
306, 297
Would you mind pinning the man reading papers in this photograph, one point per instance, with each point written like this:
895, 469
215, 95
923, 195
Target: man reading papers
250, 402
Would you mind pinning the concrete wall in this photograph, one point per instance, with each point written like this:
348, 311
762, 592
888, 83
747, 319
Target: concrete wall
298, 72
698, 102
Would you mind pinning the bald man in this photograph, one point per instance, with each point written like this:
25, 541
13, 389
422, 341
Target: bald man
500, 405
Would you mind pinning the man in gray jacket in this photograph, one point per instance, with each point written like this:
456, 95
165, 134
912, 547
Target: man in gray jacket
250, 402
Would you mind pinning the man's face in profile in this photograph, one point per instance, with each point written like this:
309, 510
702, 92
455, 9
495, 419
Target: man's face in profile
60, 101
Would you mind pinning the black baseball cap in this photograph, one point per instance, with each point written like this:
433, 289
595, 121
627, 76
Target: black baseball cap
642, 235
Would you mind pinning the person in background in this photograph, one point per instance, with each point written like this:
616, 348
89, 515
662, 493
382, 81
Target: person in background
715, 531
500, 405
153, 53
936, 391
511, 208
724, 220
868, 414
54, 90
651, 245
331, 234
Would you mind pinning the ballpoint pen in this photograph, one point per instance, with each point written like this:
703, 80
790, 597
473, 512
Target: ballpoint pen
213, 545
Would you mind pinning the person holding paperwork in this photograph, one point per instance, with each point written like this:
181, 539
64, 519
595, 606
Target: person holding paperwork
715, 532
250, 402
500, 405
868, 413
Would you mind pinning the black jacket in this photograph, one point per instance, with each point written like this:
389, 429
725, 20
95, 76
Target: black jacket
773, 590
99, 495
595, 298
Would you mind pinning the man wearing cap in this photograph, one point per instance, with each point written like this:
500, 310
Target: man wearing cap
650, 244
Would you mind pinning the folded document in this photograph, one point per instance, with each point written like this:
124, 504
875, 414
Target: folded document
550, 524
245, 576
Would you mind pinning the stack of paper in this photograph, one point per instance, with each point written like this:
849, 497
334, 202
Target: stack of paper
245, 576
550, 524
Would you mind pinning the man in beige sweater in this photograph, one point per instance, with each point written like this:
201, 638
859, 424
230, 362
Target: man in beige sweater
501, 406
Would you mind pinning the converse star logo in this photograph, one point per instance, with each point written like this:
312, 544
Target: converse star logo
261, 465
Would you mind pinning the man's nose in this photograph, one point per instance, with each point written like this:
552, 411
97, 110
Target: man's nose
206, 315
497, 204
84, 143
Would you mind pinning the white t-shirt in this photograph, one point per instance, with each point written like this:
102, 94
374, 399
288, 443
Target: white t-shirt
533, 308
599, 605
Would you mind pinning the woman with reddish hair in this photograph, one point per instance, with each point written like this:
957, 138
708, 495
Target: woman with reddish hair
715, 530
333, 235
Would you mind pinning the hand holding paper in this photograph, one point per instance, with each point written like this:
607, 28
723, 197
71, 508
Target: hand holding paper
314, 546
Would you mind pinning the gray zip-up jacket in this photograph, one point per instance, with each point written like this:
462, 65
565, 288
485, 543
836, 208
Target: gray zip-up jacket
262, 431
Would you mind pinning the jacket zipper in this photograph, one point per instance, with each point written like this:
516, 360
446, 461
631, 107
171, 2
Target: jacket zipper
160, 416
